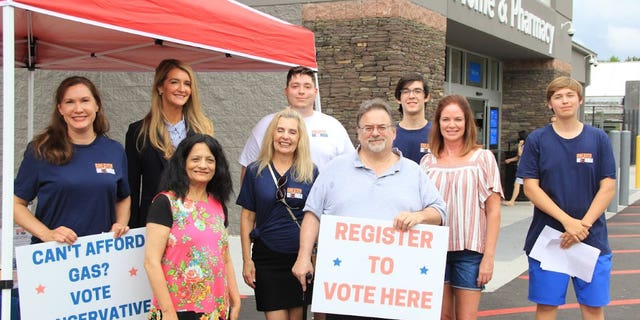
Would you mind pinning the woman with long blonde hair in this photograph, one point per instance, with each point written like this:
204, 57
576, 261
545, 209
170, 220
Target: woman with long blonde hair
176, 112
273, 194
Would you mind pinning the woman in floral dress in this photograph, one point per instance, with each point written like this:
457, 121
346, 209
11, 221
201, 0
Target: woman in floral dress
187, 255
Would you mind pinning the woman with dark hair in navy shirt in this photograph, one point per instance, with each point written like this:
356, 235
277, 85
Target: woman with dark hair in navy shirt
78, 174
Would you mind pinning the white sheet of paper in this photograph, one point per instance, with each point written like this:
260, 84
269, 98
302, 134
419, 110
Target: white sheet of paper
579, 260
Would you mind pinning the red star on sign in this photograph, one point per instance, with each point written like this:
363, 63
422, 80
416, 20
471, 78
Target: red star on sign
133, 272
40, 289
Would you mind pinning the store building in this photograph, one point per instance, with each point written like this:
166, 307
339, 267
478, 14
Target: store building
500, 54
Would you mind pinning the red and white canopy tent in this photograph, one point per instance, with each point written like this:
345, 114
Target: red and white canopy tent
132, 35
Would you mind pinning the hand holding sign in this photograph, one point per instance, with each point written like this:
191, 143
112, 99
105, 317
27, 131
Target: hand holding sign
97, 277
366, 267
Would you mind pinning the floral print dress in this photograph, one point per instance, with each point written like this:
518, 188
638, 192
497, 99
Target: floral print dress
193, 261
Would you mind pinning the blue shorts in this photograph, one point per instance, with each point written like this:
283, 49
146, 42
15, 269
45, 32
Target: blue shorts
462, 268
550, 288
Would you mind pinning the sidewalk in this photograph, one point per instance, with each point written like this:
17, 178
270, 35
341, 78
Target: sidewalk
510, 260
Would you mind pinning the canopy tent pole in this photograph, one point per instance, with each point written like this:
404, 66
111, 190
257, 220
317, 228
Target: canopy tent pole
8, 140
31, 62
318, 105
30, 102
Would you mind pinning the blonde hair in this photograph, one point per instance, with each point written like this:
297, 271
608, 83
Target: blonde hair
153, 126
302, 163
563, 82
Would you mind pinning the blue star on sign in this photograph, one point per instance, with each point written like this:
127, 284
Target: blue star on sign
423, 270
336, 262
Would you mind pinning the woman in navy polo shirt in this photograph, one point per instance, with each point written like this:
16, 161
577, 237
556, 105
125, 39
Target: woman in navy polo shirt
273, 194
78, 174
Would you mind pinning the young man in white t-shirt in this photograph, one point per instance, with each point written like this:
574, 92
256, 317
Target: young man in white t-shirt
327, 136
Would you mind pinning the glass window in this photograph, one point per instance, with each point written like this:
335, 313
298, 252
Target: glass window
477, 107
446, 64
494, 75
456, 66
476, 71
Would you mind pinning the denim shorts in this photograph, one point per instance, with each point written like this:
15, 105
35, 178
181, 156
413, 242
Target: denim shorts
462, 268
550, 288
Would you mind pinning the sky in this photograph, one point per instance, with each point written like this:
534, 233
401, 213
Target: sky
610, 27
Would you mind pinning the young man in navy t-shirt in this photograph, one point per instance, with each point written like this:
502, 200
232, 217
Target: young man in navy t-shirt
569, 175
412, 132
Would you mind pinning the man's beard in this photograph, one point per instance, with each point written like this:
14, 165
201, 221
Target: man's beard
376, 146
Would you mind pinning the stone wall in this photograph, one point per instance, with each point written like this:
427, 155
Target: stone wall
364, 47
524, 104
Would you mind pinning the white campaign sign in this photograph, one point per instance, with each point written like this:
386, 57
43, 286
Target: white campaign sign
97, 277
365, 267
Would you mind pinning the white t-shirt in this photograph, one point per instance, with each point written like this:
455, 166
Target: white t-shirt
327, 136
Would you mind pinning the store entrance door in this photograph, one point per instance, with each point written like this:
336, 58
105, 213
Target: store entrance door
479, 114
487, 119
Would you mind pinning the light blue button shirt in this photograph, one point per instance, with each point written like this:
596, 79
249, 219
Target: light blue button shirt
177, 131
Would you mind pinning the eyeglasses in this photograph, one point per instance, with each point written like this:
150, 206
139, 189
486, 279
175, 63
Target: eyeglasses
381, 128
416, 91
281, 192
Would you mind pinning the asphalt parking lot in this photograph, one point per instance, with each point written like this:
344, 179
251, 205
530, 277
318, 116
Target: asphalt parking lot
506, 295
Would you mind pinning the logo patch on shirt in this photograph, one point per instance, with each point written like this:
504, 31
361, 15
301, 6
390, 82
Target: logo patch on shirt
319, 133
424, 147
584, 158
105, 168
294, 193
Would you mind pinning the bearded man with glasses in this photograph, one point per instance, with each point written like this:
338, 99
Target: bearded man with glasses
375, 182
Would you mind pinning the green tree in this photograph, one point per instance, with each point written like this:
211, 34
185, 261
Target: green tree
614, 59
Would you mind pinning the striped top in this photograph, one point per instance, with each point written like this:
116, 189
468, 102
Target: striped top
465, 187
